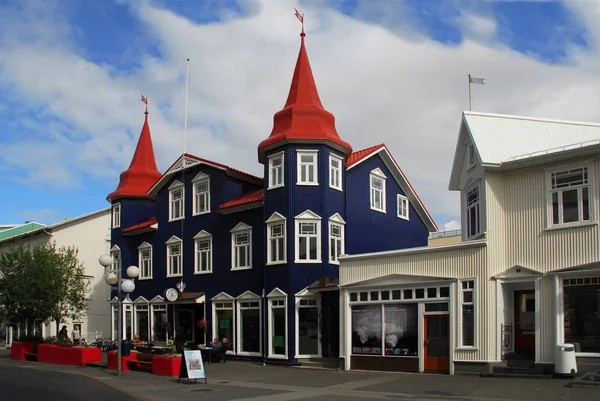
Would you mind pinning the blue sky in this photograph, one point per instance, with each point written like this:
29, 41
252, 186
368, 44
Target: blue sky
71, 73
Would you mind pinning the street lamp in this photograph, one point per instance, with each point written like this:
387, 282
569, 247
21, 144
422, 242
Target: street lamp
114, 277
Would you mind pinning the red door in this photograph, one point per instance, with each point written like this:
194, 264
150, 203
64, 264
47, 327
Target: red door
437, 343
525, 322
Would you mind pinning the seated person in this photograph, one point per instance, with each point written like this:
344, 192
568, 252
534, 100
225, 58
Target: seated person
214, 343
136, 339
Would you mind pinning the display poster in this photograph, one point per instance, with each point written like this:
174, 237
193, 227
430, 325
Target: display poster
366, 329
401, 330
192, 366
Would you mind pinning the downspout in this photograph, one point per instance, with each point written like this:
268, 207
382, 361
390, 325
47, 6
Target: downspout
265, 311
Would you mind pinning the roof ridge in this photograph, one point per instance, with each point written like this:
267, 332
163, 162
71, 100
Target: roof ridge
526, 118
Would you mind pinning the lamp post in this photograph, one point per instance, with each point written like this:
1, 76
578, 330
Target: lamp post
114, 277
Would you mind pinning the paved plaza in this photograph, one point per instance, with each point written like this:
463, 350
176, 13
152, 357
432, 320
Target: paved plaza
246, 381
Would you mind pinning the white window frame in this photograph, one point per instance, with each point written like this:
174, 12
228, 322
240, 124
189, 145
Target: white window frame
307, 217
145, 246
589, 165
276, 172
175, 186
314, 165
478, 205
472, 157
277, 300
241, 229
158, 307
116, 261
200, 178
379, 175
337, 221
203, 236
303, 295
248, 296
403, 207
224, 298
174, 241
335, 173
462, 303
116, 215
276, 219
141, 305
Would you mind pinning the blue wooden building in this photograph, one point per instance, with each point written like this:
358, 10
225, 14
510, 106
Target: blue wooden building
256, 259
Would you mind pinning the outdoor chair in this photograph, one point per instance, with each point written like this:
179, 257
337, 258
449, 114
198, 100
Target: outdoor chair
220, 354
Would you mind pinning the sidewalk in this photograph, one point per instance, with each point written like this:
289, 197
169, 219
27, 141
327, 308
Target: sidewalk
234, 381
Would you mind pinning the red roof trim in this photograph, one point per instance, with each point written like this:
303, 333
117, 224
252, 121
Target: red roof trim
360, 155
144, 224
250, 197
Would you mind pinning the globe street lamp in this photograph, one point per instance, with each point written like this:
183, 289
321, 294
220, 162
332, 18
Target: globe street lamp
113, 276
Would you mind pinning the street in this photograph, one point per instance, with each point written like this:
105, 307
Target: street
233, 381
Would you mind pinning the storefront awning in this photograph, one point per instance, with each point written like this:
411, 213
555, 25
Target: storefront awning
191, 297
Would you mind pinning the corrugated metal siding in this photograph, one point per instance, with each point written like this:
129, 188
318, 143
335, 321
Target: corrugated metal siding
547, 319
501, 138
529, 243
495, 199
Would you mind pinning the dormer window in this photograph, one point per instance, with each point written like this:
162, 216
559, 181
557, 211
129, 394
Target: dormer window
276, 170
335, 172
116, 215
176, 192
201, 185
307, 167
378, 190
472, 158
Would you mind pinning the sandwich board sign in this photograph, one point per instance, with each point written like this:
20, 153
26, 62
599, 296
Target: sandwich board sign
192, 367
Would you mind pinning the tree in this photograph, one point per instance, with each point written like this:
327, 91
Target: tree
42, 283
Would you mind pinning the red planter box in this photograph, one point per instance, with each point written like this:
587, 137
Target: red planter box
18, 350
112, 360
73, 356
166, 366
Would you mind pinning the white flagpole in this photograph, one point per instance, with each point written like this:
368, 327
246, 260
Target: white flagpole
187, 74
469, 92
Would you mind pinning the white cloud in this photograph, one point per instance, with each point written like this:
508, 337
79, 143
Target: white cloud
477, 27
382, 86
451, 226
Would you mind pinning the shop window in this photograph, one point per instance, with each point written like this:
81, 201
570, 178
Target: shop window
444, 292
420, 293
385, 295
408, 294
277, 328
581, 311
353, 297
374, 296
366, 330
141, 322
396, 294
249, 324
224, 322
364, 296
437, 307
159, 323
308, 327
432, 293
467, 314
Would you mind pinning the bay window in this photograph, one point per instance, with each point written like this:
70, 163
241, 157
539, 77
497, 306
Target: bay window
276, 239
335, 172
276, 170
308, 238
473, 212
336, 238
307, 167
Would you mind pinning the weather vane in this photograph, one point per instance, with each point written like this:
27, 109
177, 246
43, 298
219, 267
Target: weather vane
301, 19
145, 100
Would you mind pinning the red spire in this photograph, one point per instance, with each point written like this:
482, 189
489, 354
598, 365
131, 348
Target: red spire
142, 172
303, 117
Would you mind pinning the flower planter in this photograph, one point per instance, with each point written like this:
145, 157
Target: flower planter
19, 349
165, 366
73, 356
112, 360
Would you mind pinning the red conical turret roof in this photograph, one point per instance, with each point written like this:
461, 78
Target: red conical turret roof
303, 118
142, 172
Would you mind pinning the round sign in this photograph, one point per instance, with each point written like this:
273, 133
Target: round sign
171, 294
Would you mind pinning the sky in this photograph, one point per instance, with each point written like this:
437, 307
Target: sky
391, 71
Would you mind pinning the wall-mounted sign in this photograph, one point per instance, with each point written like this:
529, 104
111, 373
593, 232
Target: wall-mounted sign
171, 294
